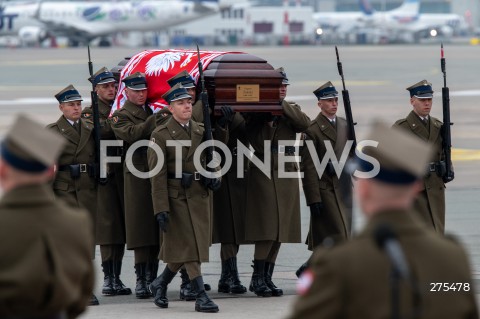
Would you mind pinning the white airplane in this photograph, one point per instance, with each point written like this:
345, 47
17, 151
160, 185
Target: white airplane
84, 21
403, 21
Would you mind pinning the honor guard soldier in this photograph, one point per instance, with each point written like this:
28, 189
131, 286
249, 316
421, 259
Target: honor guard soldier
132, 123
391, 268
181, 201
328, 209
273, 204
110, 209
184, 78
46, 269
430, 202
75, 177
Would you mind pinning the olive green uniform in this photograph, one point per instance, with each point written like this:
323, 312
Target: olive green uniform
430, 202
47, 268
326, 189
273, 204
353, 280
110, 208
79, 149
229, 202
189, 231
131, 124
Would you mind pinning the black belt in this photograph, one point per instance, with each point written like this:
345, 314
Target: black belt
82, 168
282, 149
196, 175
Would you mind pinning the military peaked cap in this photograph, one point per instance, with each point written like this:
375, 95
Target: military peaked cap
402, 157
421, 90
136, 81
284, 75
102, 76
68, 94
31, 147
183, 78
326, 91
177, 92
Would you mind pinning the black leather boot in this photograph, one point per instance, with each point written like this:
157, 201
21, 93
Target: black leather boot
141, 291
203, 303
224, 282
107, 288
236, 286
276, 292
151, 274
258, 285
118, 285
158, 287
186, 291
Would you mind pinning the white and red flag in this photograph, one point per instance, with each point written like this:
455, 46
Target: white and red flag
159, 66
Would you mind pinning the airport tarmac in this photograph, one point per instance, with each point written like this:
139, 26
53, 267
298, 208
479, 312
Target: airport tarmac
376, 77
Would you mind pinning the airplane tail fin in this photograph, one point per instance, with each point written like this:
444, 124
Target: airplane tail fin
366, 7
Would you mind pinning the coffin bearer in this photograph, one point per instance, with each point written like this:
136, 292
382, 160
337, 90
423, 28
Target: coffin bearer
273, 204
397, 259
430, 202
328, 210
229, 204
132, 123
181, 201
46, 269
110, 209
75, 177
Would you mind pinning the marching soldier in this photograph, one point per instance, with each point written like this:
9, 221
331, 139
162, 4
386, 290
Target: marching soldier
273, 204
328, 210
396, 259
45, 271
430, 202
181, 202
110, 210
132, 123
75, 177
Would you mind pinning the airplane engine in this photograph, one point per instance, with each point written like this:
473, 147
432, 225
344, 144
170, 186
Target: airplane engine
32, 35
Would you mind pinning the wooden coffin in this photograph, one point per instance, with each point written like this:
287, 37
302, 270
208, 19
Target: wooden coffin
243, 81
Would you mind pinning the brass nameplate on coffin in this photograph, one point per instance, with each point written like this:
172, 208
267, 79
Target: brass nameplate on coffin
248, 92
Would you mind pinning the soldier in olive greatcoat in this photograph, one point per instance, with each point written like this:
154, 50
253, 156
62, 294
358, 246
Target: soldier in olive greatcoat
273, 203
46, 269
397, 267
329, 207
181, 199
75, 177
430, 202
110, 224
133, 123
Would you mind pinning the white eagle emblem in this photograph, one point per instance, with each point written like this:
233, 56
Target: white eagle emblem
162, 62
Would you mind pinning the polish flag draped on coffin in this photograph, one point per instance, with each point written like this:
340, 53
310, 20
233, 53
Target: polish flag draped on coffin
159, 66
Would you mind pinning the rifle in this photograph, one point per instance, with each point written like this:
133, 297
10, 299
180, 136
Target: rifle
446, 132
348, 108
206, 110
96, 123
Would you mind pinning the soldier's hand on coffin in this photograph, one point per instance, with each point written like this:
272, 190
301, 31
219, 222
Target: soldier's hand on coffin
316, 209
227, 115
162, 220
